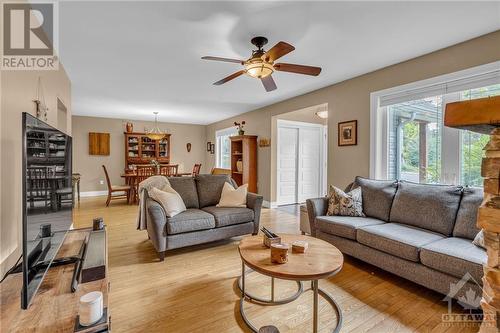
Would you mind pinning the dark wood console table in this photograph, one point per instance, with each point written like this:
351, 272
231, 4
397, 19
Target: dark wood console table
54, 307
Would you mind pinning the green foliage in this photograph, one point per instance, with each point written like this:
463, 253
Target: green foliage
472, 154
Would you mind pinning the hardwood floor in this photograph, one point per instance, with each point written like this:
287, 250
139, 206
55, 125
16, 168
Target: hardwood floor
194, 289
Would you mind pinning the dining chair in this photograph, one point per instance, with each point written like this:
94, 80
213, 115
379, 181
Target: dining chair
143, 172
38, 186
116, 188
169, 170
196, 169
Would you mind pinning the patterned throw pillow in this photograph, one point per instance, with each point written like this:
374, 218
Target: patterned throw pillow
345, 204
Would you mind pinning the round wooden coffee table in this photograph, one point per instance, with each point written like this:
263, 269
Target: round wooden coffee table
320, 261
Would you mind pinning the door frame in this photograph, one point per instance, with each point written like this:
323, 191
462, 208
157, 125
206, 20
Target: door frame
281, 123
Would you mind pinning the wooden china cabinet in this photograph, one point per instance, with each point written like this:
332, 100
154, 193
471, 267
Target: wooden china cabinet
139, 149
244, 161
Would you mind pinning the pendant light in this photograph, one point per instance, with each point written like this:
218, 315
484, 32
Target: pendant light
155, 133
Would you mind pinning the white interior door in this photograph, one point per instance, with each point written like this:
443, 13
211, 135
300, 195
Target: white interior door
309, 174
287, 165
300, 162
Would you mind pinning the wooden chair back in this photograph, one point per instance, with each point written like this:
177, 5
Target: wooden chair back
144, 172
108, 181
196, 169
169, 170
38, 184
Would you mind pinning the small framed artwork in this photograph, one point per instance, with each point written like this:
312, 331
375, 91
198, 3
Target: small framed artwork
212, 148
209, 146
348, 133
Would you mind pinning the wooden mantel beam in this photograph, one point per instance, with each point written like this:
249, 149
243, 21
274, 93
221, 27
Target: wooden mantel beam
478, 115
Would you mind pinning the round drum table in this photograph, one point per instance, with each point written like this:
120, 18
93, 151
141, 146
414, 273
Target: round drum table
320, 261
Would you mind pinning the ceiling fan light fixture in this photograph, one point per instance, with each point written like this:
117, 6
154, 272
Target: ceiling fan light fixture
155, 133
258, 68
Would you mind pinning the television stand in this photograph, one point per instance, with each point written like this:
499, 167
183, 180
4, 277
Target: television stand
55, 306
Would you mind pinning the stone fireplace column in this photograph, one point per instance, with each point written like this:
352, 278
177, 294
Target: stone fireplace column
489, 221
483, 116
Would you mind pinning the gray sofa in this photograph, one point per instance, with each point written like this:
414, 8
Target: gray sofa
420, 232
202, 222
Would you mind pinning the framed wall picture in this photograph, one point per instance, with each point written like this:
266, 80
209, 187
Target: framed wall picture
209, 146
212, 148
348, 133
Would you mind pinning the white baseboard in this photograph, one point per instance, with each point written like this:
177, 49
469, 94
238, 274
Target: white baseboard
98, 193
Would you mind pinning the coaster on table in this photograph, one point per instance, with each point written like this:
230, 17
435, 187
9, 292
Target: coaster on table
299, 246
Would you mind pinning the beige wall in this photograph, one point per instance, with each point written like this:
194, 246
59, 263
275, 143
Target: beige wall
351, 100
18, 90
307, 115
90, 166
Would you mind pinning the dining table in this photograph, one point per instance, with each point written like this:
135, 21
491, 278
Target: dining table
131, 180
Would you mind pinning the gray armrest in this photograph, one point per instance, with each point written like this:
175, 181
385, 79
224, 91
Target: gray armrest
316, 207
156, 225
254, 202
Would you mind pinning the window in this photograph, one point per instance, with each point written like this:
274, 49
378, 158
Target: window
410, 141
415, 140
223, 147
472, 144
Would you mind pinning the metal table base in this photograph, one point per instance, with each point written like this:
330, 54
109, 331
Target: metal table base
272, 301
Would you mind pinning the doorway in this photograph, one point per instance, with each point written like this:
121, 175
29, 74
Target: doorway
301, 161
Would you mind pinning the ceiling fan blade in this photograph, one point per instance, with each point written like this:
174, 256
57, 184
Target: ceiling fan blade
223, 59
229, 78
277, 51
298, 69
269, 83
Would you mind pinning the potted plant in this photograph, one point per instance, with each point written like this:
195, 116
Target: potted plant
240, 126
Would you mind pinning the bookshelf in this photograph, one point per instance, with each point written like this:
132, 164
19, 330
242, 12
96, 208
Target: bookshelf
244, 149
139, 149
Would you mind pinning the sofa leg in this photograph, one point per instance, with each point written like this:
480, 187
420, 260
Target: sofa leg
255, 233
161, 255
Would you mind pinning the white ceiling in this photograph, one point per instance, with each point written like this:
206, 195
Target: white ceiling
128, 59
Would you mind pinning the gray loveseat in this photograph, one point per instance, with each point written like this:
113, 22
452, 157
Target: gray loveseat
420, 232
202, 222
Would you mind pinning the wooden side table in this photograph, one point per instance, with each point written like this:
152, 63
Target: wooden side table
54, 307
320, 261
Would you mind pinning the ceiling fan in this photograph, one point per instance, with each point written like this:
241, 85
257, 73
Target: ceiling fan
262, 64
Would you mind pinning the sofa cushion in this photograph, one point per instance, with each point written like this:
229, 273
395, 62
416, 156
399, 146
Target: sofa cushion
345, 204
190, 220
186, 187
397, 239
225, 216
465, 224
209, 188
377, 196
431, 207
454, 256
344, 226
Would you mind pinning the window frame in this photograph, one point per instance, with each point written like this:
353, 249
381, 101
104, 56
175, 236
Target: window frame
230, 131
379, 120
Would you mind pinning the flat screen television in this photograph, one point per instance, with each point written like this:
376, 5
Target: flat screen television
47, 199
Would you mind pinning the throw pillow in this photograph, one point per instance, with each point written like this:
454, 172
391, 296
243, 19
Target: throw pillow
231, 197
345, 204
169, 199
479, 240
